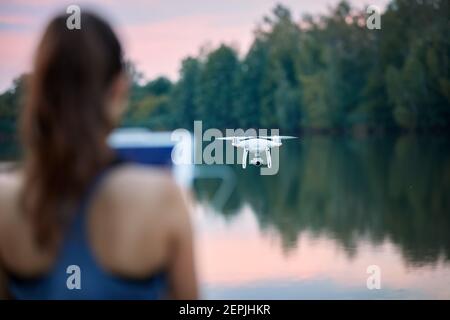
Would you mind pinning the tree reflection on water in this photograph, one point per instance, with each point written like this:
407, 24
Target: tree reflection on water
374, 189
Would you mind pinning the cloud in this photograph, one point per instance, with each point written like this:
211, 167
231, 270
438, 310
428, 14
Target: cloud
15, 20
15, 56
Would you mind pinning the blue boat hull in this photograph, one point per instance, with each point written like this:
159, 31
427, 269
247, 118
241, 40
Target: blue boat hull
156, 156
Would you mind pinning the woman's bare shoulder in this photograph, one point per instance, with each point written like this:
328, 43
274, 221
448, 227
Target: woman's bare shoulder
146, 203
10, 186
10, 226
141, 181
142, 173
152, 188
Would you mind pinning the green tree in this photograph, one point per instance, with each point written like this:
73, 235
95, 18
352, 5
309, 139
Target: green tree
185, 97
218, 88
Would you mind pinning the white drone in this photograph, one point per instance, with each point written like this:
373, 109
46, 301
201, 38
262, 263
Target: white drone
256, 145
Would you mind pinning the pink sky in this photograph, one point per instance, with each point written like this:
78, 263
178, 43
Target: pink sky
157, 34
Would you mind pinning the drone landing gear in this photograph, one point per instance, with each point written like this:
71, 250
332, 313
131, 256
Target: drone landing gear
269, 159
244, 158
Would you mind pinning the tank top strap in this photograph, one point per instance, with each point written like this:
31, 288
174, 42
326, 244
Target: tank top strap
78, 226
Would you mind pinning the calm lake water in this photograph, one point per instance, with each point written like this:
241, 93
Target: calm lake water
336, 207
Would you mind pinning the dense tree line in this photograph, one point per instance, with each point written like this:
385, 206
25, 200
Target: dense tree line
320, 73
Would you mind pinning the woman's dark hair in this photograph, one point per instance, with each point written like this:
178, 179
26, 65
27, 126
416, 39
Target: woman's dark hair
65, 122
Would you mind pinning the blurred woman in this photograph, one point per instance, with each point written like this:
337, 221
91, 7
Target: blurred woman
79, 223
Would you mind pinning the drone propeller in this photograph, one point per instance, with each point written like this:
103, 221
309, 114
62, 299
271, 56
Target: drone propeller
232, 138
278, 137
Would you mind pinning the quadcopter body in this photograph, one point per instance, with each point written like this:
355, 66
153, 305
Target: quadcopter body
255, 146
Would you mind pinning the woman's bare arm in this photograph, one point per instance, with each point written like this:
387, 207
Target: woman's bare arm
4, 186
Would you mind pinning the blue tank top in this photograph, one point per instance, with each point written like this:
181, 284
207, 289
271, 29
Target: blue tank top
76, 267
